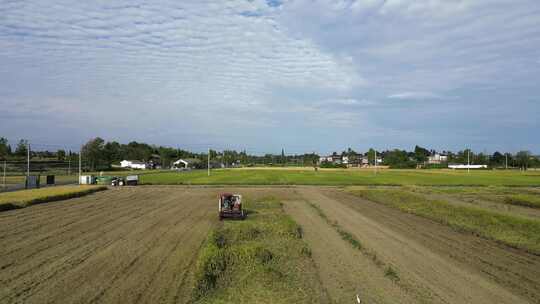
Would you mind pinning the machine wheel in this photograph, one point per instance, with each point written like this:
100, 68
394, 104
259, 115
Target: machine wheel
120, 183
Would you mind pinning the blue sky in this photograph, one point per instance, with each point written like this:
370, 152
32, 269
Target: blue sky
261, 75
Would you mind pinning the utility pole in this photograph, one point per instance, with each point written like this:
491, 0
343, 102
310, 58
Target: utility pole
375, 161
506, 162
80, 165
69, 163
468, 160
4, 179
27, 161
208, 161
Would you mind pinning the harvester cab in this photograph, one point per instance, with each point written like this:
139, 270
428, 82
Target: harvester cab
230, 206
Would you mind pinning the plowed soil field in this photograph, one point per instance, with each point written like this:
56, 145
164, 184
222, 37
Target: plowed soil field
129, 245
434, 263
140, 244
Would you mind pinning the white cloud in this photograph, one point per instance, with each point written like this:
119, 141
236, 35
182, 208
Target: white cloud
194, 60
223, 70
415, 95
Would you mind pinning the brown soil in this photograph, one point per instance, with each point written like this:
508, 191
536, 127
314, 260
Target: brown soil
124, 245
129, 245
138, 245
344, 271
433, 261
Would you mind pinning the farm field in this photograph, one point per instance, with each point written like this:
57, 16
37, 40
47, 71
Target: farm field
336, 177
146, 244
128, 245
397, 255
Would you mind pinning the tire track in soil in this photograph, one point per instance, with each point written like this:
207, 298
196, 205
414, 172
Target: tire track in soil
454, 267
102, 259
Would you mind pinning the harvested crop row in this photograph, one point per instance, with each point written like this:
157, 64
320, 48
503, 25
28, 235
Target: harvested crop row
260, 260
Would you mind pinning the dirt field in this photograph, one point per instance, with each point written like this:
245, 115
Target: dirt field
435, 264
138, 245
121, 246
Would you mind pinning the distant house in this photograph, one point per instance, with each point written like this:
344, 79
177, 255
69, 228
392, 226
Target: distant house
365, 163
437, 159
187, 163
323, 159
335, 159
133, 164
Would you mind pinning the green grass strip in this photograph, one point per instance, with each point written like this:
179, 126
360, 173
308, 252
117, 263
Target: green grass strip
262, 259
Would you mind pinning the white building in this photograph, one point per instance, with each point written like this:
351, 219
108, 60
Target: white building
330, 159
187, 163
460, 166
437, 159
133, 164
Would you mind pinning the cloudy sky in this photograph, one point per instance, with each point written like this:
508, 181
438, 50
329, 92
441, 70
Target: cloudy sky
306, 75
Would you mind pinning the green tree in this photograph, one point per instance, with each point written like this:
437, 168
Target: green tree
523, 159
5, 149
398, 159
421, 154
371, 156
22, 148
61, 155
497, 159
92, 152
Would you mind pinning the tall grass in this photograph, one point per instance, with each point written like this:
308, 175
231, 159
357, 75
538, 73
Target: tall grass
25, 198
262, 259
513, 231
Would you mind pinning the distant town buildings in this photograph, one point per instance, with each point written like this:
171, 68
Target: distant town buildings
437, 159
357, 160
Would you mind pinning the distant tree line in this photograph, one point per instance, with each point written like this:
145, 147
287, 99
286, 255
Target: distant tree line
99, 154
419, 157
